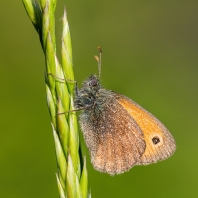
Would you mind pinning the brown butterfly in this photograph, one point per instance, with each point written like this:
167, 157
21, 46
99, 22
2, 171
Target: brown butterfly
118, 132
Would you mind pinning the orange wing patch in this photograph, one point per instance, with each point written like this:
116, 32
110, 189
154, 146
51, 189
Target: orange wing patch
159, 142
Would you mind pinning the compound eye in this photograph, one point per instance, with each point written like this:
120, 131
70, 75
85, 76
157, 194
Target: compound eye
93, 83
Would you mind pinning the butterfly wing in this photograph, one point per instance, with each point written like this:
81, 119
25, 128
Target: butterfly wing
115, 141
122, 134
160, 144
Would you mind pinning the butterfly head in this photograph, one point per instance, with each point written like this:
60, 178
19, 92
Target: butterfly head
92, 83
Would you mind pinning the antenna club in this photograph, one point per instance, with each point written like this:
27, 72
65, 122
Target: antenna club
99, 49
96, 57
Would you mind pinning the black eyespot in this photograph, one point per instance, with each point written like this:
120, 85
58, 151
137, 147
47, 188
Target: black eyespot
155, 140
93, 83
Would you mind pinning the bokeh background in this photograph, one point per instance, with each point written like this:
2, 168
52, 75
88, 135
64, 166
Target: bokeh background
150, 54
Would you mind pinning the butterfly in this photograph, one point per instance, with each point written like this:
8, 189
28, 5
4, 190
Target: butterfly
118, 132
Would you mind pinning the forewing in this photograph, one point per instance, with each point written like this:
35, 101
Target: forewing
160, 144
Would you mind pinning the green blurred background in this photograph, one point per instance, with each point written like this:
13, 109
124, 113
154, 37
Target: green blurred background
150, 54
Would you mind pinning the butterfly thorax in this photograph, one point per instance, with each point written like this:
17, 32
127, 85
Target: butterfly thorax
90, 95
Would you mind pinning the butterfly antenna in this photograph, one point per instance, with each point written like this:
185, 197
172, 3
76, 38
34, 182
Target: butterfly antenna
98, 59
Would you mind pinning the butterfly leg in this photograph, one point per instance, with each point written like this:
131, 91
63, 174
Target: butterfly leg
74, 110
66, 80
